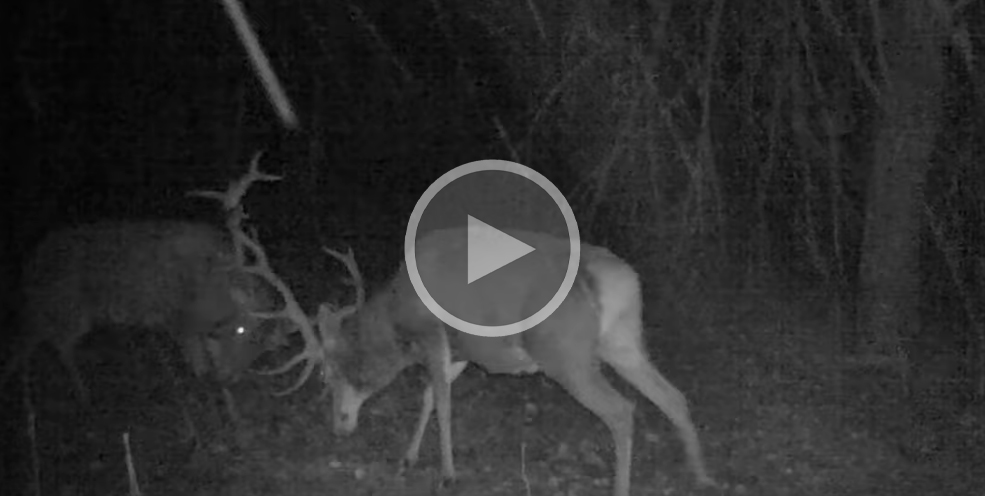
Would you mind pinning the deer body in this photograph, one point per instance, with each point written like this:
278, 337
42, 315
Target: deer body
174, 277
599, 321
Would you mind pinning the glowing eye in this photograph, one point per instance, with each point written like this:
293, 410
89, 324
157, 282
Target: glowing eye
240, 330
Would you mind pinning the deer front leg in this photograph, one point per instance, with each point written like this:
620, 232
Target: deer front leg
438, 361
427, 406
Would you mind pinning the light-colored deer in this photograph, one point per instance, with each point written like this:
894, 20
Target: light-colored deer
599, 321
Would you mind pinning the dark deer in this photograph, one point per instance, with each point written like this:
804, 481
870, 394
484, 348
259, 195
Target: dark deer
177, 278
209, 291
600, 321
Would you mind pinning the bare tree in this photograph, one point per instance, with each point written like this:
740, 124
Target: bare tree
912, 37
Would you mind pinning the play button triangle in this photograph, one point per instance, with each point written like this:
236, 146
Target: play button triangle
489, 249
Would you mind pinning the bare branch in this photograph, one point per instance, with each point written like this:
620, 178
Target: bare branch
360, 18
261, 64
855, 55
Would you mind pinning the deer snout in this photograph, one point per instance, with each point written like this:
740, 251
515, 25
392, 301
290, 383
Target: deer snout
346, 402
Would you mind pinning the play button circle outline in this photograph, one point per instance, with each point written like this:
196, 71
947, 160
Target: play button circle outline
410, 249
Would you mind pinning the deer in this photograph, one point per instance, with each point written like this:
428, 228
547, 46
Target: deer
177, 278
214, 293
600, 321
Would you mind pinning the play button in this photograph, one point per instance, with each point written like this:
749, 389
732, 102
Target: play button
492, 248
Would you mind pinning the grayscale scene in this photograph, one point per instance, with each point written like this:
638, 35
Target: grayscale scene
228, 267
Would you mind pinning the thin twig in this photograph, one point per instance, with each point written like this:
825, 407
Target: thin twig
32, 435
878, 37
980, 384
523, 467
357, 14
951, 260
131, 471
537, 20
504, 136
854, 54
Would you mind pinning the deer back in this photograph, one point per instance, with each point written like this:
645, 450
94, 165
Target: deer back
174, 277
569, 333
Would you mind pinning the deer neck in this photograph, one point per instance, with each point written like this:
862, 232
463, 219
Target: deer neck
374, 351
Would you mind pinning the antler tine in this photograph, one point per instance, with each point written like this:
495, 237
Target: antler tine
313, 352
232, 198
330, 317
355, 277
237, 189
309, 367
329, 324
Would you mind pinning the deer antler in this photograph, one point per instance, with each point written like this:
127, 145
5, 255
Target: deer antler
232, 201
232, 198
313, 353
330, 317
355, 279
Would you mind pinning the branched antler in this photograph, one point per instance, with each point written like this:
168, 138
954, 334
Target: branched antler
330, 317
232, 198
355, 279
313, 353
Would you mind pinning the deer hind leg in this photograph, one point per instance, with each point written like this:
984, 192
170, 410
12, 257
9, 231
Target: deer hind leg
622, 348
427, 407
587, 385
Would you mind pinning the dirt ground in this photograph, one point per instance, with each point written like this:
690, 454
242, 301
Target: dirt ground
775, 417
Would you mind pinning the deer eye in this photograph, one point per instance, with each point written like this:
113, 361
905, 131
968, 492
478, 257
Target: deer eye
240, 331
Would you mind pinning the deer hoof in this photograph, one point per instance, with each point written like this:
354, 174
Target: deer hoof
406, 464
446, 482
708, 482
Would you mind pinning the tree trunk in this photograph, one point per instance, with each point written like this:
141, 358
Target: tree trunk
911, 105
